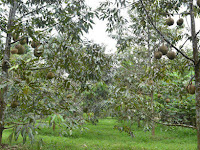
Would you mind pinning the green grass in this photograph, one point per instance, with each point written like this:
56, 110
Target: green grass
103, 136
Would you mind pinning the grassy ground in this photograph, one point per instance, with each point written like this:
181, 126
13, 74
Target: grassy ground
103, 136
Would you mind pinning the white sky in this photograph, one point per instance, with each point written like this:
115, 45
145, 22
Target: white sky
98, 33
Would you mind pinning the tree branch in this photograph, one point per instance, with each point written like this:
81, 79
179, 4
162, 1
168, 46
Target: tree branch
18, 40
177, 125
190, 80
3, 29
31, 12
38, 68
188, 39
16, 124
159, 32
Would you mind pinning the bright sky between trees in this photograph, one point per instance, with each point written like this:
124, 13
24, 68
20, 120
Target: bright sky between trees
98, 33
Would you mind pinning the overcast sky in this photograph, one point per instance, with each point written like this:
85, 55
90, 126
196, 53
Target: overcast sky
98, 33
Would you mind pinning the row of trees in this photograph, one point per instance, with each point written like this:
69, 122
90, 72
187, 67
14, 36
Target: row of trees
46, 65
72, 80
151, 27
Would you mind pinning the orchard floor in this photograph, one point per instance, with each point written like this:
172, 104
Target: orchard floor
103, 136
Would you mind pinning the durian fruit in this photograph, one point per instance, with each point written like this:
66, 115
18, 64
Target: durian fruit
35, 44
50, 75
167, 100
186, 87
85, 109
62, 102
159, 95
15, 37
191, 89
163, 49
14, 104
23, 41
150, 82
171, 55
157, 54
20, 48
198, 3
38, 52
170, 21
179, 22
69, 96
14, 51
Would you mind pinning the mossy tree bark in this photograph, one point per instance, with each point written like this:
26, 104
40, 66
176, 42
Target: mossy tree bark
197, 72
5, 64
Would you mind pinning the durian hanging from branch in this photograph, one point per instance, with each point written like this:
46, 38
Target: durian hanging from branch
170, 21
180, 22
157, 55
163, 49
171, 55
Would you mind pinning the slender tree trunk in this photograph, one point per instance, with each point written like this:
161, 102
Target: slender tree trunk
152, 91
5, 67
197, 73
152, 109
1, 133
138, 122
1, 116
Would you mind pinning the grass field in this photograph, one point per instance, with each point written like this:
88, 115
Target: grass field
103, 136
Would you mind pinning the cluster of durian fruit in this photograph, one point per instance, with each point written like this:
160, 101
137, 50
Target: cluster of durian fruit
170, 21
163, 50
20, 49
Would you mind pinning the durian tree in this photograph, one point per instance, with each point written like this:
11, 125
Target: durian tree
32, 79
166, 10
131, 99
141, 38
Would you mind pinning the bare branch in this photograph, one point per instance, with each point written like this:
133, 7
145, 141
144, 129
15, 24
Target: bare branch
185, 42
31, 12
177, 125
18, 40
169, 124
159, 32
188, 39
191, 80
39, 68
197, 33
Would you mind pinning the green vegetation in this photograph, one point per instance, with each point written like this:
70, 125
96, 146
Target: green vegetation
103, 136
48, 69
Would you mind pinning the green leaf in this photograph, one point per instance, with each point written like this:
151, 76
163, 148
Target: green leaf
3, 85
10, 137
13, 68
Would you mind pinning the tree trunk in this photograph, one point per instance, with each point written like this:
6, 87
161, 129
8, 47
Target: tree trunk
197, 73
5, 67
138, 122
152, 109
152, 86
1, 116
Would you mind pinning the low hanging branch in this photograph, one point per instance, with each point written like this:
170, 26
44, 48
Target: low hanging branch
176, 125
39, 68
32, 12
169, 124
159, 32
